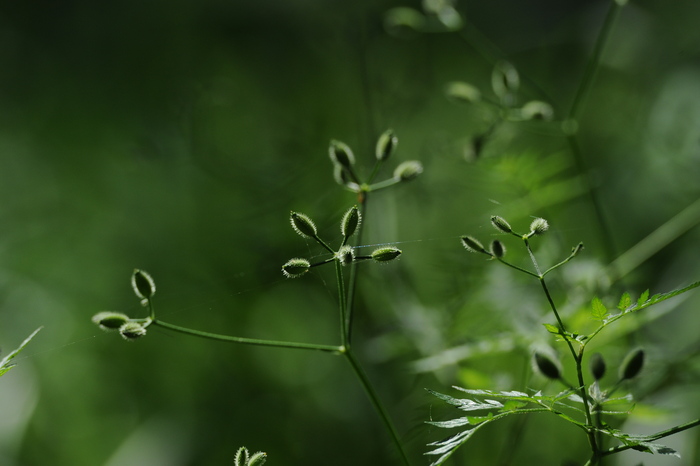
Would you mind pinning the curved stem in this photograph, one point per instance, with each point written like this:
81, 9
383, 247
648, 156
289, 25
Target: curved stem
248, 341
376, 402
342, 303
653, 437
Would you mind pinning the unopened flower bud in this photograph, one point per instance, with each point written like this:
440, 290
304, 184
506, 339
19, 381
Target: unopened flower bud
143, 284
409, 170
341, 154
386, 254
547, 366
577, 249
258, 459
472, 244
345, 255
632, 364
597, 365
351, 220
303, 225
242, 457
296, 267
132, 331
386, 144
505, 81
108, 320
500, 224
462, 92
498, 249
539, 226
537, 110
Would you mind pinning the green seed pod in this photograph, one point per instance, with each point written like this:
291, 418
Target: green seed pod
536, 110
341, 154
472, 244
242, 457
143, 284
575, 251
108, 320
632, 364
505, 81
597, 366
258, 459
459, 91
547, 366
386, 254
351, 220
500, 224
539, 226
132, 331
498, 249
403, 22
296, 267
386, 144
409, 170
340, 175
345, 255
303, 225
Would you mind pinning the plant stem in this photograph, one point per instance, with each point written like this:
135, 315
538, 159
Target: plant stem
376, 402
656, 436
342, 303
248, 341
352, 280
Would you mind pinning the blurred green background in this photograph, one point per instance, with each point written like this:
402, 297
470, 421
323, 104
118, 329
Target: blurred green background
176, 137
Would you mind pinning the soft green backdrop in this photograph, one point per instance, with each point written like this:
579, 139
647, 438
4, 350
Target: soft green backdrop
176, 137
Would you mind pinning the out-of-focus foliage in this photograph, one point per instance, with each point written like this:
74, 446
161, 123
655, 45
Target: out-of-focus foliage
176, 137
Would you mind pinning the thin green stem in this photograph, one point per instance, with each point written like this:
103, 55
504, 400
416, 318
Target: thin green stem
378, 405
520, 269
248, 341
383, 184
352, 280
324, 244
654, 437
342, 303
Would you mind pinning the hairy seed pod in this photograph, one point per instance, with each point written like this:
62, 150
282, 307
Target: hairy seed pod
108, 320
296, 267
345, 255
143, 284
537, 110
539, 226
505, 81
132, 331
498, 249
409, 170
597, 366
547, 366
351, 220
303, 225
341, 154
632, 364
500, 224
386, 144
242, 457
386, 254
472, 244
258, 459
459, 91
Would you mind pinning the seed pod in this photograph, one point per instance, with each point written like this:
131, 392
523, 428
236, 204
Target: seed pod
537, 110
351, 220
472, 244
258, 459
303, 225
500, 224
459, 91
597, 366
505, 81
386, 254
547, 366
539, 226
632, 364
296, 267
386, 144
143, 284
341, 154
132, 331
345, 255
407, 171
498, 249
108, 320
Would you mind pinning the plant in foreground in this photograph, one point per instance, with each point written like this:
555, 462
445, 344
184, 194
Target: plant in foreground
344, 256
6, 362
581, 403
244, 458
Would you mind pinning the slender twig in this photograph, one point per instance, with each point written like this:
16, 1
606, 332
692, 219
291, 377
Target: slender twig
653, 437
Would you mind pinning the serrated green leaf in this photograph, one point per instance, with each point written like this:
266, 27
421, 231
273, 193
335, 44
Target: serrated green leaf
5, 364
625, 301
643, 298
598, 309
552, 328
